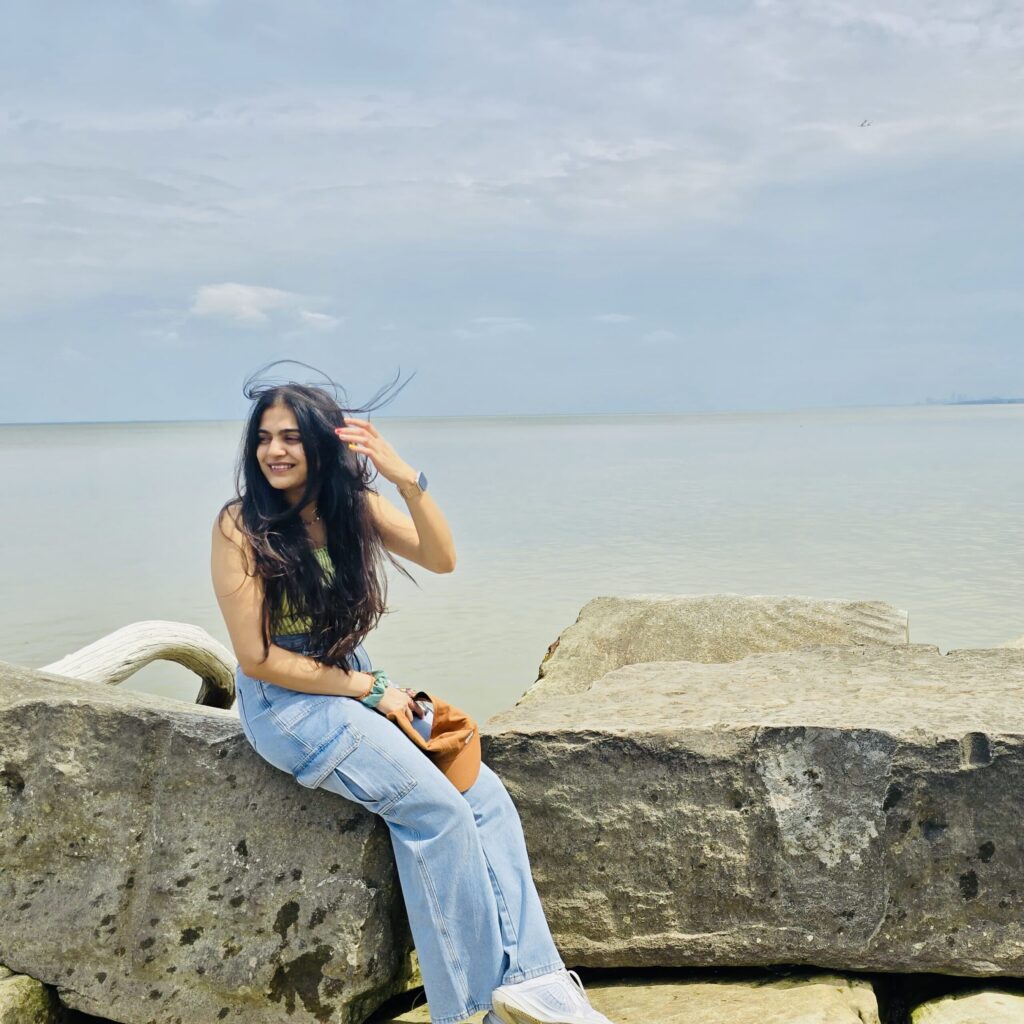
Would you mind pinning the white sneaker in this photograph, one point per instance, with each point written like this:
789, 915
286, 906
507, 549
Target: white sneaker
556, 998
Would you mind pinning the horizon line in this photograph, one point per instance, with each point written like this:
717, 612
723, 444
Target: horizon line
551, 415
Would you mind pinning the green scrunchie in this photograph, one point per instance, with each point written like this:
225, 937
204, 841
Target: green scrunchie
380, 684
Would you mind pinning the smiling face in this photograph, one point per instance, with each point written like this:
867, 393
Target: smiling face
280, 453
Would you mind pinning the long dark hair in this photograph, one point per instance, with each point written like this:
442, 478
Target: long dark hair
344, 607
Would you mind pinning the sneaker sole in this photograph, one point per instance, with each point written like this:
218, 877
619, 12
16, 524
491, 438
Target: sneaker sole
514, 1015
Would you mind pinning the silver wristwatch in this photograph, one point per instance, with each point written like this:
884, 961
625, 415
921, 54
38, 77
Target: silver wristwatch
416, 488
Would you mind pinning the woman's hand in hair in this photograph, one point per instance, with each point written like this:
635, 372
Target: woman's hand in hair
363, 437
400, 703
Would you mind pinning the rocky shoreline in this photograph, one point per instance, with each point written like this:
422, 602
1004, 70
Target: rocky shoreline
800, 796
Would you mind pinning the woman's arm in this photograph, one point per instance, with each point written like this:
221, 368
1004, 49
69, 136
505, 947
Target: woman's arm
240, 597
422, 536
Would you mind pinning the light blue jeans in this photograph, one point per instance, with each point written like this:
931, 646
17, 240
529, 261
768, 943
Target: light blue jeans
475, 916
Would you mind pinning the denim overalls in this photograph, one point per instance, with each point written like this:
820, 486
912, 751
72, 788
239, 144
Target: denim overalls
475, 916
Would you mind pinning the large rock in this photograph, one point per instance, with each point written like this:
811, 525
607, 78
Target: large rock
972, 1008
850, 807
156, 870
615, 631
810, 999
24, 1000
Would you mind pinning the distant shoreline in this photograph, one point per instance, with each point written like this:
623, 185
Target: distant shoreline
553, 416
982, 401
540, 417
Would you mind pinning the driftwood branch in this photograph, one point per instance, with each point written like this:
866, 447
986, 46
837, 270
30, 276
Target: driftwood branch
118, 655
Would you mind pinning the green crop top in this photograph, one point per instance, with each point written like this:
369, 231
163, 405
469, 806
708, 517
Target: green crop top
284, 621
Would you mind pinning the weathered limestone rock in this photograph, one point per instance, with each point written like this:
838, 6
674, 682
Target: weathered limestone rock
154, 869
972, 1008
24, 1000
1018, 643
615, 631
809, 999
848, 807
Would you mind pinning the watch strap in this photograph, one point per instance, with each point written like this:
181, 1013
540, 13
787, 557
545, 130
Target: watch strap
414, 489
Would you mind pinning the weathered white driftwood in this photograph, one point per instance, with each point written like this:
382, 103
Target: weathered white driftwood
116, 656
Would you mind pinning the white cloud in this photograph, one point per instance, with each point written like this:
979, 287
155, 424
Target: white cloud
257, 306
242, 303
555, 121
942, 23
319, 321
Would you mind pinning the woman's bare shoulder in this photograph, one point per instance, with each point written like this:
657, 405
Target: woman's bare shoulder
228, 523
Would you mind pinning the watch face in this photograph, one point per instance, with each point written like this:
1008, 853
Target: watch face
421, 481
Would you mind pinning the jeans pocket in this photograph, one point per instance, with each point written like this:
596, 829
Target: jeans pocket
371, 777
337, 745
291, 706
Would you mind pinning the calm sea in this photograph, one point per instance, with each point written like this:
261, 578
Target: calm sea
108, 524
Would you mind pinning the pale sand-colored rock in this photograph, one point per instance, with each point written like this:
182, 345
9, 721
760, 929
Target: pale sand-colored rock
156, 870
26, 1001
854, 808
1018, 643
972, 1008
615, 631
812, 999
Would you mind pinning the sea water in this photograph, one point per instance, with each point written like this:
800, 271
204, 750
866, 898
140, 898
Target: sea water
107, 524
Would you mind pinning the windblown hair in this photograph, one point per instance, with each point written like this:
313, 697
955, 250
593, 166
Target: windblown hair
344, 607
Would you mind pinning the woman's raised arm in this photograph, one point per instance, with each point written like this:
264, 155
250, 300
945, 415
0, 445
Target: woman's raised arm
423, 536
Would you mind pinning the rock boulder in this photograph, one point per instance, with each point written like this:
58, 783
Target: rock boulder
615, 631
847, 807
156, 870
972, 1008
24, 1000
808, 999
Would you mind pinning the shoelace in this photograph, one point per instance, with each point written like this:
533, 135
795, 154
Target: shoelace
577, 985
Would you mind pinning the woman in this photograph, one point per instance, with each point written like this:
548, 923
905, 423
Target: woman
297, 564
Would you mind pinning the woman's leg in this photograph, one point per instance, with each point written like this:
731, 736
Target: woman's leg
529, 949
447, 883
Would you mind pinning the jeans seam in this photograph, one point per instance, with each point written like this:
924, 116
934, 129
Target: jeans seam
502, 906
264, 699
534, 972
390, 806
312, 751
442, 926
410, 783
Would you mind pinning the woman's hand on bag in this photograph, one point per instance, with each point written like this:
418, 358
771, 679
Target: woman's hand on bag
362, 437
399, 702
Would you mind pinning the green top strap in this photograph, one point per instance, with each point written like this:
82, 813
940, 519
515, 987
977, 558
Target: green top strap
285, 621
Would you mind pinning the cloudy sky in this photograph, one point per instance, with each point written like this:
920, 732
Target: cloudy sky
578, 207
